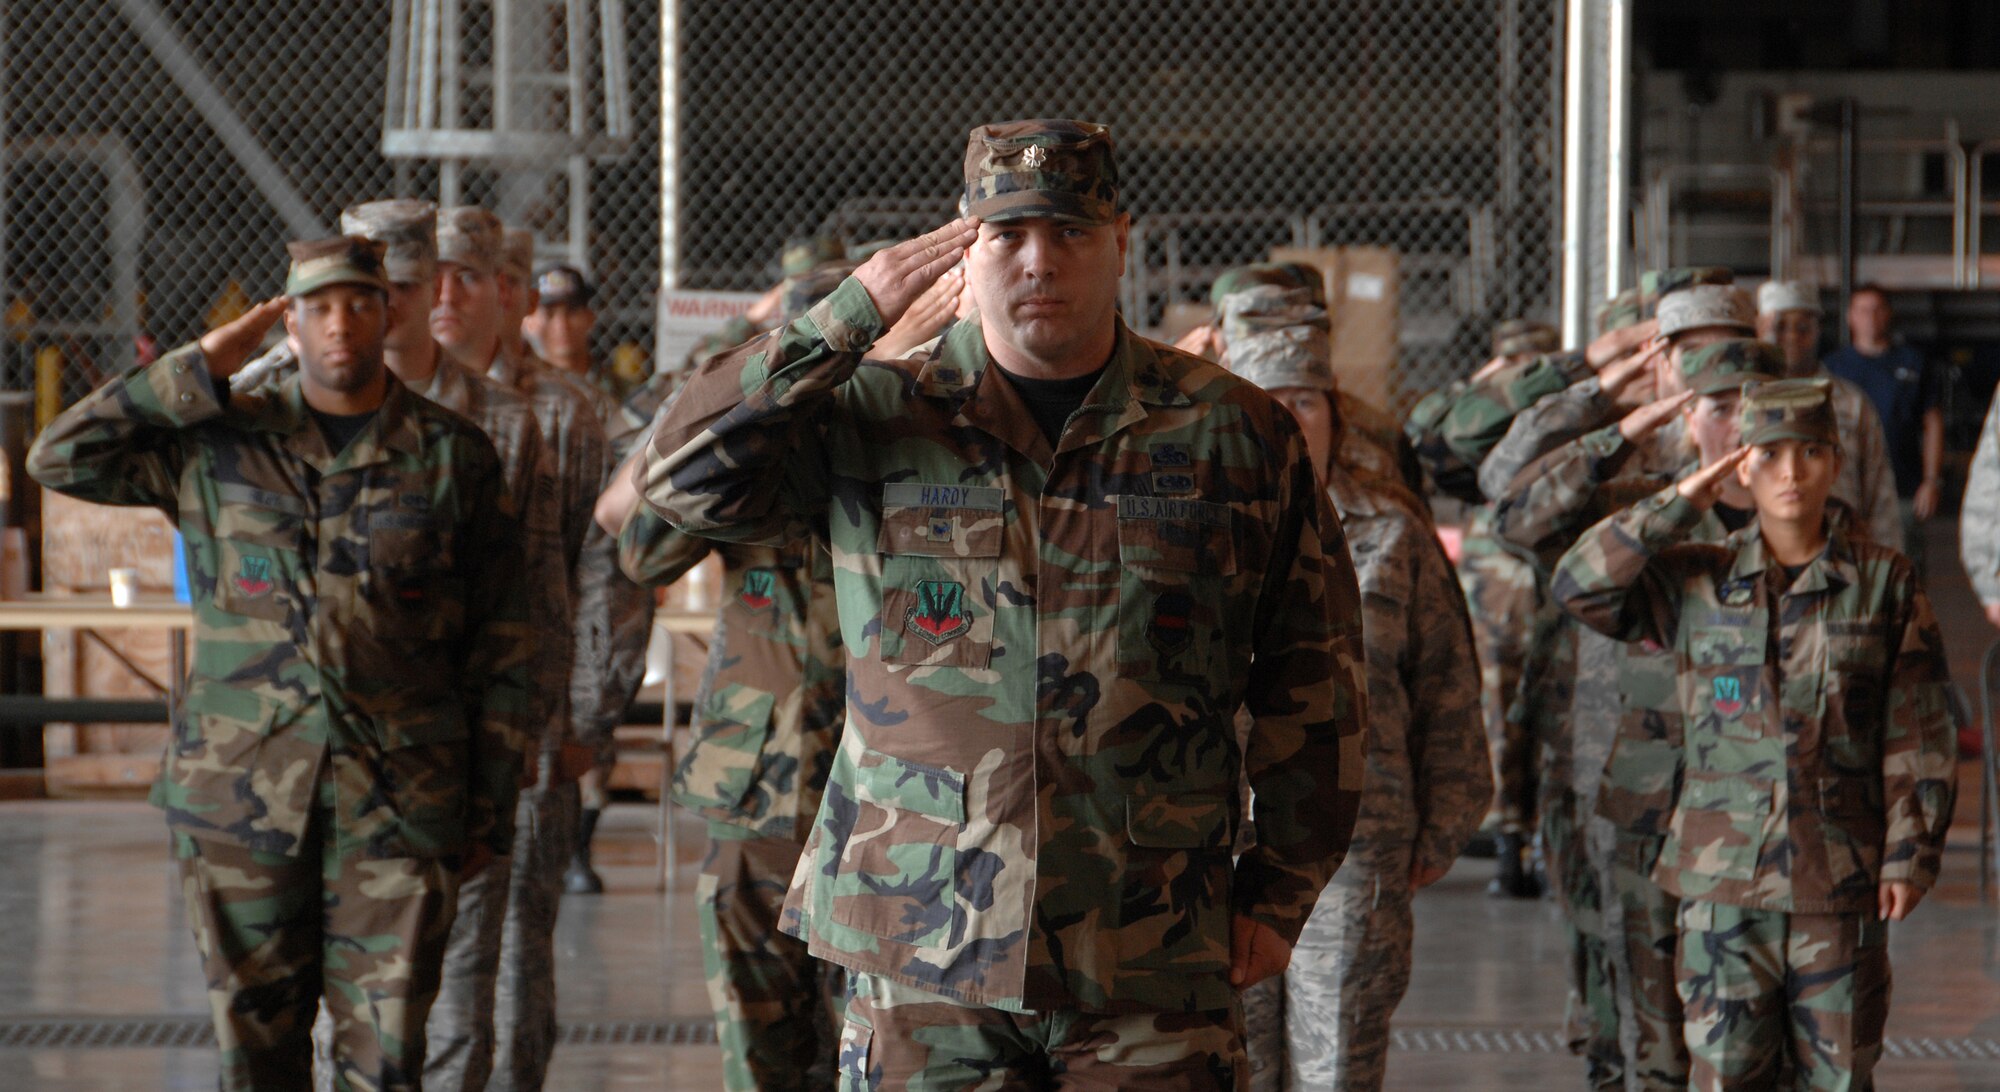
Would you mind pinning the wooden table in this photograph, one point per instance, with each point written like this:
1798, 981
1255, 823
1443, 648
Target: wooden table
94, 612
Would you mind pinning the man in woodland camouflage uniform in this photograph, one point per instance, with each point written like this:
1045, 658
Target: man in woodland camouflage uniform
352, 740
1064, 558
494, 1025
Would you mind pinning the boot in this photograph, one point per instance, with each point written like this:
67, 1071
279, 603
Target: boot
1515, 879
579, 878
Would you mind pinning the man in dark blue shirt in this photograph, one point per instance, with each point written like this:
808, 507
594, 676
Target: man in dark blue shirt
1906, 392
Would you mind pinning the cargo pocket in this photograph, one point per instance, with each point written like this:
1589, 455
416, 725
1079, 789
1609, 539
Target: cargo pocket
898, 872
1174, 895
1175, 559
721, 766
1728, 676
414, 803
940, 570
1719, 827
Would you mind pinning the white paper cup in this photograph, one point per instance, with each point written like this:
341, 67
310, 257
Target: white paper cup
124, 587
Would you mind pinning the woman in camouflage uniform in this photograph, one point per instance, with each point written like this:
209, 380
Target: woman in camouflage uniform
1325, 1022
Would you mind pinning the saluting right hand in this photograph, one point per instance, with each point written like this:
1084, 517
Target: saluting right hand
1614, 345
896, 277
229, 346
1641, 422
1704, 487
1632, 380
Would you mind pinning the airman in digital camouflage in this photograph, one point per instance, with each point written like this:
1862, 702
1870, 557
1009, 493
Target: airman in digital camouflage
494, 1025
1325, 1022
1371, 443
1064, 557
1788, 317
1617, 753
352, 740
1979, 547
1817, 746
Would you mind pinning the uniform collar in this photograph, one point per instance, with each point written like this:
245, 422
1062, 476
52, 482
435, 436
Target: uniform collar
1834, 568
1349, 496
1135, 378
393, 431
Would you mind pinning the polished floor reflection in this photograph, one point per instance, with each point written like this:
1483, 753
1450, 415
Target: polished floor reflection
95, 934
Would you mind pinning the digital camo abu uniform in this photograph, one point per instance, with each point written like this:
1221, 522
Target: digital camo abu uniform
358, 707
1030, 814
1325, 1022
1817, 753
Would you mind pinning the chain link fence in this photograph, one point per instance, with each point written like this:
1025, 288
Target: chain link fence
159, 151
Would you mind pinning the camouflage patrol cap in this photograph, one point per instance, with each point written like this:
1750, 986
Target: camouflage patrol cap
1788, 409
1019, 170
470, 236
1727, 365
1310, 276
1242, 277
1518, 337
1657, 284
1618, 312
1705, 305
563, 284
343, 259
1278, 338
517, 254
1776, 296
796, 295
406, 227
801, 254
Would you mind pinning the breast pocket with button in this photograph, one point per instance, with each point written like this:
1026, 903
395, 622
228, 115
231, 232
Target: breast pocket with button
1175, 558
940, 571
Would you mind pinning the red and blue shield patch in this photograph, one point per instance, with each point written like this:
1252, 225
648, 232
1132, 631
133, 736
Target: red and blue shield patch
1728, 695
759, 589
940, 613
253, 578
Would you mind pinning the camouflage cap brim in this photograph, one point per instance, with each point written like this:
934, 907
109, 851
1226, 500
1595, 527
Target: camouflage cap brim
310, 277
1035, 204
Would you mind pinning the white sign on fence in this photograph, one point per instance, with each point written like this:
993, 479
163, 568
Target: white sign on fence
688, 316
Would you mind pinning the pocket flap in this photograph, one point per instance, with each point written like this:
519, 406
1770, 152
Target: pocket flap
928, 790
1190, 536
418, 727
1176, 822
1722, 792
941, 532
1713, 645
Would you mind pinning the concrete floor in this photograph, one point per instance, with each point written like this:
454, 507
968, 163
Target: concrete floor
93, 933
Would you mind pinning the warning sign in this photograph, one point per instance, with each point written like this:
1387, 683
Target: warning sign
688, 316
